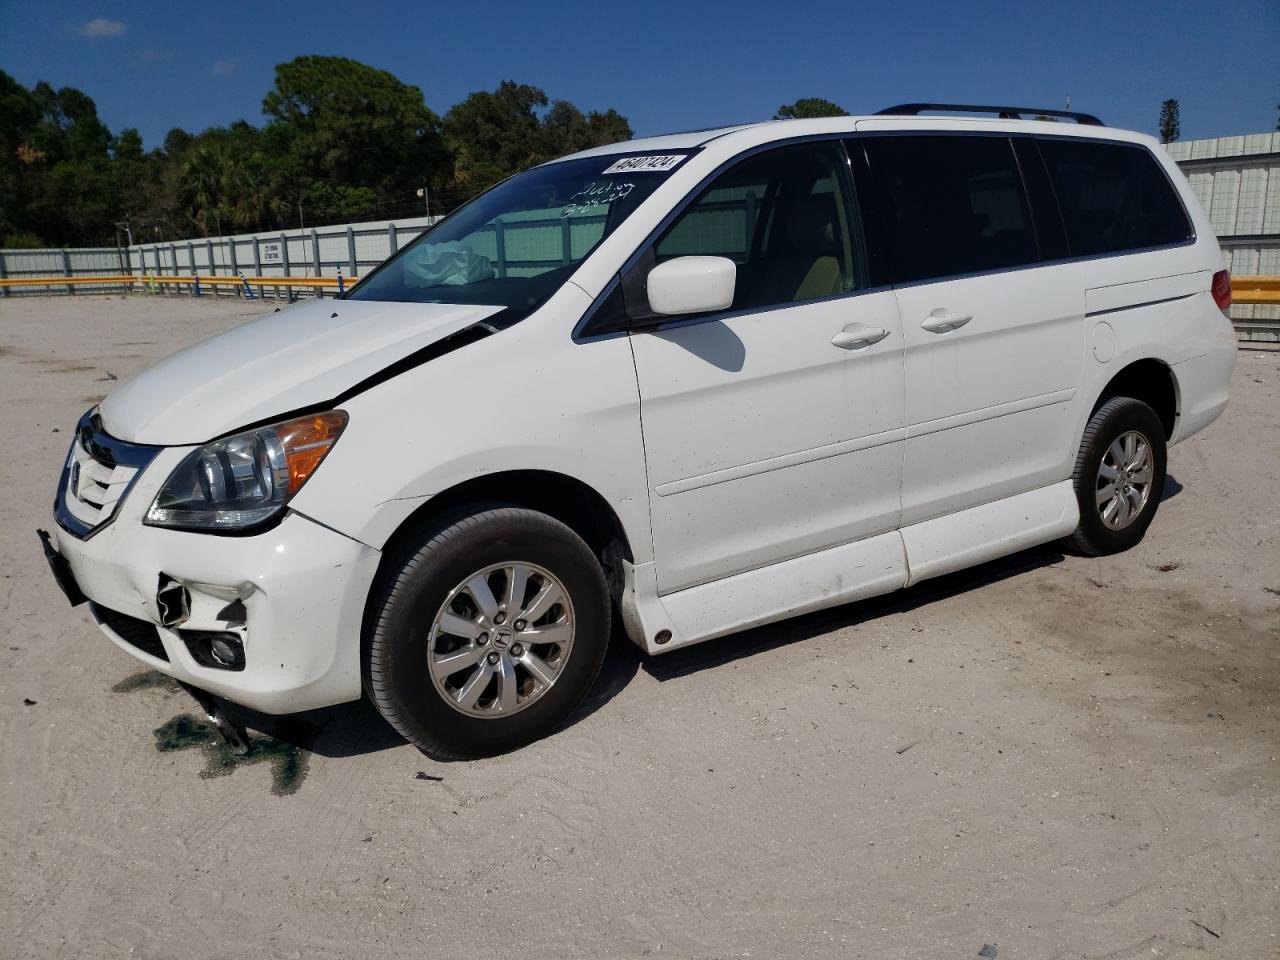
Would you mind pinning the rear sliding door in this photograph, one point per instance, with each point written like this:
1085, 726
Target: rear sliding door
993, 335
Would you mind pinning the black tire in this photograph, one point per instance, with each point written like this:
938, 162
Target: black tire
1113, 418
411, 589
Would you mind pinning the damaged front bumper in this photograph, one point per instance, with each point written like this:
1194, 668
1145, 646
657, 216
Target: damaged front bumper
287, 603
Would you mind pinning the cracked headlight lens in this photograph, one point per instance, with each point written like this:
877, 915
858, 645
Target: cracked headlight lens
242, 481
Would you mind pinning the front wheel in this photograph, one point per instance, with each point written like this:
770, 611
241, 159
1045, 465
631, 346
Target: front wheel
485, 634
1119, 476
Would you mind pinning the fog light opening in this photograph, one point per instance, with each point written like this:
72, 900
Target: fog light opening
224, 652
220, 651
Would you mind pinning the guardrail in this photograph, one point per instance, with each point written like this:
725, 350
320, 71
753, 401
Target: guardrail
1243, 289
1263, 291
1255, 289
158, 283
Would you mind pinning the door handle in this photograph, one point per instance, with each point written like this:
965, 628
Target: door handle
856, 335
940, 321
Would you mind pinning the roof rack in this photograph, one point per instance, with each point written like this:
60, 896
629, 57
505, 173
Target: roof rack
1004, 113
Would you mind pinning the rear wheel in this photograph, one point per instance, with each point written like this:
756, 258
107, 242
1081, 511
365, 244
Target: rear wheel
1119, 476
486, 633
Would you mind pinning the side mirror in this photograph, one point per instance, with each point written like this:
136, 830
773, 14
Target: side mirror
692, 285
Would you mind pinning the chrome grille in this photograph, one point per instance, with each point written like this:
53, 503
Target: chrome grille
94, 488
98, 473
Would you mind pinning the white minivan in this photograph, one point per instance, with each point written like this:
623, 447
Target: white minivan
700, 382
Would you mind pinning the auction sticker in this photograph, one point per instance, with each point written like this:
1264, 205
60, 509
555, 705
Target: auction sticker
649, 164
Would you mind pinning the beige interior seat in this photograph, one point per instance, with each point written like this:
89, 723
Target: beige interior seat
807, 265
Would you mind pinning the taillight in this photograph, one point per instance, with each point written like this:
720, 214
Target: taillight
1221, 290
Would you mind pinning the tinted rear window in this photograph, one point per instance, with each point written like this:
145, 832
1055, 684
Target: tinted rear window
1113, 197
953, 205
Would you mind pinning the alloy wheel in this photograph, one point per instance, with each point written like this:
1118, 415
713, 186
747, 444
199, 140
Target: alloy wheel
501, 639
1124, 480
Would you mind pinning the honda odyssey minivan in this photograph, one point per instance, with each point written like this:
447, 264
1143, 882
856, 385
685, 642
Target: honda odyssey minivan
702, 381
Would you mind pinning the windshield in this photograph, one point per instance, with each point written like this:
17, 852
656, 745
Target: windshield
515, 245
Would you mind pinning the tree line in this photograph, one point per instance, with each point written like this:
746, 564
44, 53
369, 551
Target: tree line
342, 142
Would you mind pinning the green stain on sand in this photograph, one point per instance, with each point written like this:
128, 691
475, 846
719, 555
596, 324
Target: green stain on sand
147, 680
183, 732
288, 762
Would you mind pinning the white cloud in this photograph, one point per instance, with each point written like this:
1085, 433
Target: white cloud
223, 67
101, 27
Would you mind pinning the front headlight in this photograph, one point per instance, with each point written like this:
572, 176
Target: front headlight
242, 481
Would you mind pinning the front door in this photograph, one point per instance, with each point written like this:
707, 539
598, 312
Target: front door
775, 429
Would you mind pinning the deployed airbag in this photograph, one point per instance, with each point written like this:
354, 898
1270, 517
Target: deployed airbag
446, 265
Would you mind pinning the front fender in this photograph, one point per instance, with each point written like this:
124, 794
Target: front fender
527, 398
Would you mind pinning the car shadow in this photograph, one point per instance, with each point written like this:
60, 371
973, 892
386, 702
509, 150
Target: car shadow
718, 652
355, 729
1171, 488
713, 342
347, 730
621, 663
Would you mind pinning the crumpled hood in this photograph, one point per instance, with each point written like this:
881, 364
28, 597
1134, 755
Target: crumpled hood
303, 355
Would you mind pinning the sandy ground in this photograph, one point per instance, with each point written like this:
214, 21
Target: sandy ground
1054, 756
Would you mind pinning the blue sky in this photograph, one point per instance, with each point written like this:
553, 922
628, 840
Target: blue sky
669, 66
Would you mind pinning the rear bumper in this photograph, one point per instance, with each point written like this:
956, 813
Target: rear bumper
295, 595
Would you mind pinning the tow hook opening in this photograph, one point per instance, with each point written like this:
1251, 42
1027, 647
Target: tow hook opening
173, 601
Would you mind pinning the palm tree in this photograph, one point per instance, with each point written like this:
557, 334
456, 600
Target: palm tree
227, 188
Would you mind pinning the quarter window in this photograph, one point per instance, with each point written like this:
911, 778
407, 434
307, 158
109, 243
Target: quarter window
786, 217
1113, 197
953, 205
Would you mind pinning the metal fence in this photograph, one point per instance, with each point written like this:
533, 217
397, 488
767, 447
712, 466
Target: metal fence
316, 260
351, 250
517, 246
1237, 180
